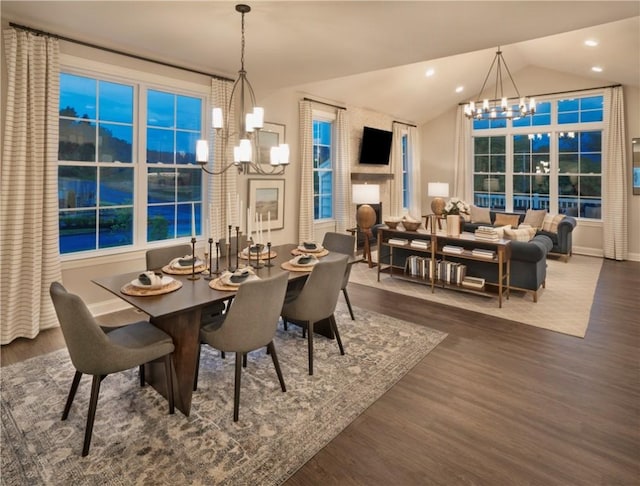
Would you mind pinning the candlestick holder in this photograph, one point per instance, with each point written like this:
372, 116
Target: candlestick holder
217, 272
268, 264
210, 275
193, 275
229, 251
237, 247
258, 247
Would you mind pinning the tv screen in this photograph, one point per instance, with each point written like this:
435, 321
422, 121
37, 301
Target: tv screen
376, 146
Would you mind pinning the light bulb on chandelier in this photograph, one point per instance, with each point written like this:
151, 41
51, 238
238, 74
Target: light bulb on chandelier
499, 108
251, 123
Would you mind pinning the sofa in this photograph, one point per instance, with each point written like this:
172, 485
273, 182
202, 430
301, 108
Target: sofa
561, 238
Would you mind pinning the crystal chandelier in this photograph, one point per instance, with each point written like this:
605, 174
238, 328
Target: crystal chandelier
246, 156
499, 108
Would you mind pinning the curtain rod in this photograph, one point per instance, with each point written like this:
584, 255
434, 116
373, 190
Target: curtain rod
560, 92
323, 103
114, 51
403, 123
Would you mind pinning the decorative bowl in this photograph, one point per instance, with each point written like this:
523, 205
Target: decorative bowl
392, 224
411, 225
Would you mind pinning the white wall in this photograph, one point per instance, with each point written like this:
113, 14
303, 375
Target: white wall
437, 139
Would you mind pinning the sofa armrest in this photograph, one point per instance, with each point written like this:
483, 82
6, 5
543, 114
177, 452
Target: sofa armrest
565, 228
531, 251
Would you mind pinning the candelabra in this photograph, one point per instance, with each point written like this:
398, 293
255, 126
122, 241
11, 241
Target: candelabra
193, 275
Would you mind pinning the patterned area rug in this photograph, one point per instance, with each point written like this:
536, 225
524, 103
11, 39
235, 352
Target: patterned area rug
563, 306
136, 442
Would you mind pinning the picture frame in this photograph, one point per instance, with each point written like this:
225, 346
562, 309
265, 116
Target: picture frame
266, 198
271, 135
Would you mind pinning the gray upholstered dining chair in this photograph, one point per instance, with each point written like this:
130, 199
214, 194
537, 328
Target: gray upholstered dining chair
249, 324
345, 244
159, 257
98, 353
317, 300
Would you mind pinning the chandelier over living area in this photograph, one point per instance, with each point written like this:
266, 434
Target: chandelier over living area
499, 107
246, 154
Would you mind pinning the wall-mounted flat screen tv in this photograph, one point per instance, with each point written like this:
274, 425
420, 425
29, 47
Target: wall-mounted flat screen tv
376, 146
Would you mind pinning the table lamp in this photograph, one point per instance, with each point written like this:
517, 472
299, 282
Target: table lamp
438, 190
365, 194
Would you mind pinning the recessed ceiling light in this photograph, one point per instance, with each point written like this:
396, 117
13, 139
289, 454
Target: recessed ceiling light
459, 89
596, 69
591, 42
430, 72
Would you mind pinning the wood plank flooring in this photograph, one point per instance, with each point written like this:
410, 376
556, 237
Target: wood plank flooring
497, 403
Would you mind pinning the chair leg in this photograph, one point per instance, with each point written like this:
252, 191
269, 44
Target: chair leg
93, 405
222, 355
244, 360
141, 373
271, 349
334, 327
285, 324
310, 347
169, 372
195, 378
236, 389
72, 394
346, 298
304, 332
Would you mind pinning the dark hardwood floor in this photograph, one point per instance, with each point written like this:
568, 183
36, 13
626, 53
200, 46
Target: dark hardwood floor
496, 403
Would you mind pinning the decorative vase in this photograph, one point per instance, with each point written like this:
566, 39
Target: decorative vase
453, 225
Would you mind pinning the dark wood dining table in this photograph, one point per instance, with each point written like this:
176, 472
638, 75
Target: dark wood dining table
178, 314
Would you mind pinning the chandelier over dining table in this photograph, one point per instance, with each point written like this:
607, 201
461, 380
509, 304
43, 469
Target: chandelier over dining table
499, 107
246, 154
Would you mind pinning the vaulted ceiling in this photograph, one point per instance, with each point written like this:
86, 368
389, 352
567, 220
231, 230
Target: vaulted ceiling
371, 54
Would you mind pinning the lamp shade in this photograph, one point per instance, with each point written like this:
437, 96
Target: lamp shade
366, 193
438, 189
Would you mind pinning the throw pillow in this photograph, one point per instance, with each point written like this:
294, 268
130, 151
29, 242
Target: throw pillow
503, 219
500, 231
520, 234
480, 215
550, 223
535, 217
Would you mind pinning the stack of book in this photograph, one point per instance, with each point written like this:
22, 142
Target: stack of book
398, 241
457, 250
421, 244
487, 233
482, 253
475, 283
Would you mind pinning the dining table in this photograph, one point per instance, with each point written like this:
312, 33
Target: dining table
178, 313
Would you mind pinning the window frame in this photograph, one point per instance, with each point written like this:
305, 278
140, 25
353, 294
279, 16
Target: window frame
142, 81
324, 116
554, 129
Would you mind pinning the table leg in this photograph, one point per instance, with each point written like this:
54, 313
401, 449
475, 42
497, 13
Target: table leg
184, 328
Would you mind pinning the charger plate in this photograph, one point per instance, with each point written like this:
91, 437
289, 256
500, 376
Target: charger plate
295, 268
183, 271
130, 289
318, 254
263, 256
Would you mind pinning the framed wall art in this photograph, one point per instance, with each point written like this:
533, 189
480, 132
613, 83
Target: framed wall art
266, 198
271, 135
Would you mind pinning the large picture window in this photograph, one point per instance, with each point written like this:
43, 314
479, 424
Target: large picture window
99, 163
552, 160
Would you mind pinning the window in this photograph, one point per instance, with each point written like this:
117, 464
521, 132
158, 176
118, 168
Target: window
552, 160
174, 182
95, 173
99, 154
322, 169
489, 171
405, 172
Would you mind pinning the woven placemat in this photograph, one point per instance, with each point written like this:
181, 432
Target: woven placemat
218, 284
321, 253
295, 268
183, 271
130, 289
